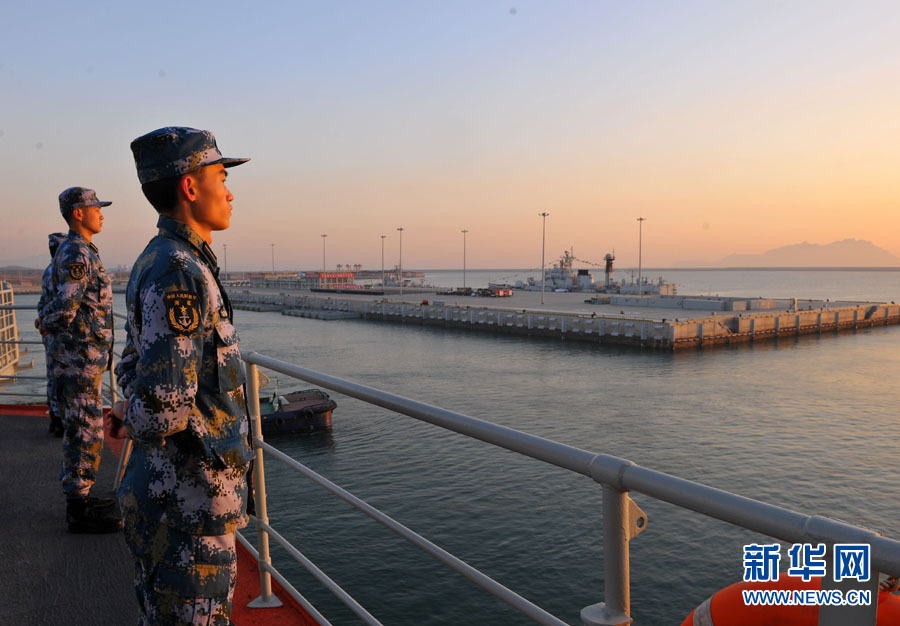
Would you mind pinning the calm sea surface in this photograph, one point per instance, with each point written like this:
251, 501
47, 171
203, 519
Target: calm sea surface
804, 423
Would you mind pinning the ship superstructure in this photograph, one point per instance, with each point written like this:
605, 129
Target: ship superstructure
563, 277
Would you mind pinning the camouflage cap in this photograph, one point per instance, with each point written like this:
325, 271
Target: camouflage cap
54, 239
78, 198
176, 150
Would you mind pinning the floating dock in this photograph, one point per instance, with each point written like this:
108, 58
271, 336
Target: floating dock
663, 323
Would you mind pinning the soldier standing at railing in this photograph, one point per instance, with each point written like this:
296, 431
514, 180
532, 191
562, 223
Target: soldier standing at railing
78, 317
56, 426
184, 491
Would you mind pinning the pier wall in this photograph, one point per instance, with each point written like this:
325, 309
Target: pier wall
668, 334
710, 303
760, 326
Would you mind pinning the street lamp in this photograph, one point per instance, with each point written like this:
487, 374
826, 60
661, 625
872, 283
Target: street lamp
464, 231
543, 242
323, 261
640, 247
273, 259
400, 273
225, 247
382, 261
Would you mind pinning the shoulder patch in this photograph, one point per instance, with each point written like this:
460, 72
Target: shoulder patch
182, 311
76, 271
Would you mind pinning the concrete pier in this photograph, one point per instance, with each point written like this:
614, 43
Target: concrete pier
652, 322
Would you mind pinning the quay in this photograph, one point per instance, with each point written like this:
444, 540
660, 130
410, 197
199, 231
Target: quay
651, 321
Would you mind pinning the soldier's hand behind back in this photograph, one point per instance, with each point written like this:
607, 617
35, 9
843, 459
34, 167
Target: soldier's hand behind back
114, 421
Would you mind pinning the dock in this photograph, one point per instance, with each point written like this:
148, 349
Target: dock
658, 322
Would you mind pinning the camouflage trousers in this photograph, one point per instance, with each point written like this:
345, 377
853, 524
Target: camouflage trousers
51, 381
180, 578
79, 405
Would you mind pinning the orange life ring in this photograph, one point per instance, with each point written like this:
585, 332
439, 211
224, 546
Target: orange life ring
726, 607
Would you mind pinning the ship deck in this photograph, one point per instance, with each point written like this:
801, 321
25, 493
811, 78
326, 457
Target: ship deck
51, 576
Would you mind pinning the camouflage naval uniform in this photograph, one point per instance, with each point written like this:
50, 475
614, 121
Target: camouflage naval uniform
78, 315
55, 239
184, 491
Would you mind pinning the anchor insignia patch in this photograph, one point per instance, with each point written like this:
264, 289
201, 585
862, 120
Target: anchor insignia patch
182, 311
76, 271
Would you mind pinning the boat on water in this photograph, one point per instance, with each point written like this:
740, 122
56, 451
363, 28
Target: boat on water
562, 277
306, 411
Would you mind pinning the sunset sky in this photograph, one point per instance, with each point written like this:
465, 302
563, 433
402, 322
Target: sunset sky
733, 127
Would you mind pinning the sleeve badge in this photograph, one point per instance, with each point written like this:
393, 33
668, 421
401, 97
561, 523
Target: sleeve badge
76, 271
182, 311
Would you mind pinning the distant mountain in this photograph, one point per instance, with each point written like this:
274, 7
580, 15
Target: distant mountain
32, 261
846, 253
18, 268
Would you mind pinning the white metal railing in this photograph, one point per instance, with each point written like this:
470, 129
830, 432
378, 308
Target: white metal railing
622, 518
9, 308
9, 350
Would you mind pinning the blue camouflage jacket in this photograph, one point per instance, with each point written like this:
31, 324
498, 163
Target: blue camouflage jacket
77, 311
46, 289
46, 294
182, 378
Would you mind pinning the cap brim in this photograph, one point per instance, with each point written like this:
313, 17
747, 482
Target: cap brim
226, 162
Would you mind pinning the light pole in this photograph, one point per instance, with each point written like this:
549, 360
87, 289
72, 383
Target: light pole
323, 261
382, 261
225, 247
464, 231
400, 273
543, 242
640, 247
273, 260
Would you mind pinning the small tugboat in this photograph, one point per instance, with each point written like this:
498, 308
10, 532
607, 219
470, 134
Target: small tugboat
299, 412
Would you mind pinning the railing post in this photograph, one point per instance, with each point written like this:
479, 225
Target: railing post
266, 597
617, 532
113, 396
128, 443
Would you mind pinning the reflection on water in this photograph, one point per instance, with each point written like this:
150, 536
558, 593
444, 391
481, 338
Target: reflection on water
805, 423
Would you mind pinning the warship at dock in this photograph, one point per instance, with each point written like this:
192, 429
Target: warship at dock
562, 277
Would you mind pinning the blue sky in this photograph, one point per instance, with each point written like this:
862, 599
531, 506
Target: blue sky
733, 127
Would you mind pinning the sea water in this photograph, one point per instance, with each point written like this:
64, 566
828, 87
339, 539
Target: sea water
806, 423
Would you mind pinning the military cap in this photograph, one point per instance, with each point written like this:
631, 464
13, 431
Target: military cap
78, 198
176, 150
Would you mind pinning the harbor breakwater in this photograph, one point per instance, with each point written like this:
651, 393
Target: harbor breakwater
638, 330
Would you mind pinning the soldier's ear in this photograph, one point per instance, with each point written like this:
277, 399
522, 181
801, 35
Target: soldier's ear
188, 187
77, 215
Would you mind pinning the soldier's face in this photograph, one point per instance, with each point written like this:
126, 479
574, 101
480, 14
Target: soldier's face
92, 219
212, 207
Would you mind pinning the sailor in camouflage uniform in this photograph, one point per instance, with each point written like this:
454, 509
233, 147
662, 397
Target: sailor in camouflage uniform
78, 317
56, 427
184, 492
